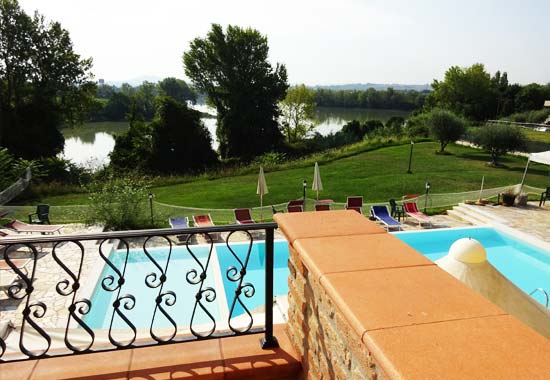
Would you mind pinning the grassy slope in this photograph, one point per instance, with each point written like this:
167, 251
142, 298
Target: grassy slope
376, 175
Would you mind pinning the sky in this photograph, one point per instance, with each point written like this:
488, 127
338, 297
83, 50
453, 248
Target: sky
320, 42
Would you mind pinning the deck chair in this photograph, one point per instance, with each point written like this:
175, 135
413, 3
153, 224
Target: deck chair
294, 208
411, 210
206, 221
9, 278
355, 203
179, 222
242, 216
382, 214
19, 226
42, 215
322, 207
296, 205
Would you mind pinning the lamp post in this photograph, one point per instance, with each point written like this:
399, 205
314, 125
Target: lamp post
151, 196
410, 158
304, 184
427, 185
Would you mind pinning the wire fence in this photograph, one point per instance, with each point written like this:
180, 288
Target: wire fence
162, 211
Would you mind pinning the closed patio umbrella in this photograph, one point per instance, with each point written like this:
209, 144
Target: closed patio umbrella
317, 184
261, 190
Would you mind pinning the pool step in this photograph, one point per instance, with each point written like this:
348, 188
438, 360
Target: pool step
474, 215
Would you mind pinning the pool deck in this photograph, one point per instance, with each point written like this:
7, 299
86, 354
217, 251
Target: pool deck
532, 221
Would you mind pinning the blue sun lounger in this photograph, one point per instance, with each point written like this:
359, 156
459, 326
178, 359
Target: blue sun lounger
382, 214
180, 223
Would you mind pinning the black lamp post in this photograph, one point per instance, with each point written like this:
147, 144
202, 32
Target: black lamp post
427, 185
410, 157
305, 187
151, 196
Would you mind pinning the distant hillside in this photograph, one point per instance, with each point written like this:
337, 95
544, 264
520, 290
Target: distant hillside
134, 81
376, 86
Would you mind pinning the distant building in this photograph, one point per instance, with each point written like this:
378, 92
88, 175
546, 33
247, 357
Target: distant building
547, 103
101, 82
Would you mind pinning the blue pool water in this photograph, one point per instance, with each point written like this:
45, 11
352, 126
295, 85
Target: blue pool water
528, 267
181, 262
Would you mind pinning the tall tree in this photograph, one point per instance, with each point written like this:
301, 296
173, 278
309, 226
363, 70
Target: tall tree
297, 113
232, 68
43, 82
467, 91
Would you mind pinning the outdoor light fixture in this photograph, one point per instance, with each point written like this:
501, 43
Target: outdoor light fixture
151, 196
305, 186
410, 158
427, 185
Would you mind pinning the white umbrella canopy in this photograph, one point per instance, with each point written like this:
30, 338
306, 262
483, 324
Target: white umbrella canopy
261, 190
317, 183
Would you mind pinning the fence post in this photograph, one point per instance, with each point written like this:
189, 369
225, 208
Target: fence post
269, 341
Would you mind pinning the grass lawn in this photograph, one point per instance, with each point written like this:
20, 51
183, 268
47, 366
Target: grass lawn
376, 175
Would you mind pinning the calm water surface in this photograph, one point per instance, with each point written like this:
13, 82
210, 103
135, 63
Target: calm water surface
90, 145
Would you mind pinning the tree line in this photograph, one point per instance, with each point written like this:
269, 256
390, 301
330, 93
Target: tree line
112, 103
371, 98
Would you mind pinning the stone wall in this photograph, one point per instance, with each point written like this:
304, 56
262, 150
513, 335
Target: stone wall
325, 341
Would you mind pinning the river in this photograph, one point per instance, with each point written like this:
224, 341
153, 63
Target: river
90, 144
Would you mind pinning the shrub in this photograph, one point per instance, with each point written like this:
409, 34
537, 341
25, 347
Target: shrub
416, 126
499, 139
119, 203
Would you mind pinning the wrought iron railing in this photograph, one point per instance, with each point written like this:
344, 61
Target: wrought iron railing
74, 262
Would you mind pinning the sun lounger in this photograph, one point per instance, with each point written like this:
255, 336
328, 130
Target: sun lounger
19, 226
412, 210
242, 216
179, 222
296, 205
382, 214
10, 278
206, 221
294, 208
355, 203
322, 207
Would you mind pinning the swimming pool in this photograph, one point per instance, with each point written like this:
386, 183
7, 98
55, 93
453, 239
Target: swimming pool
527, 266
181, 263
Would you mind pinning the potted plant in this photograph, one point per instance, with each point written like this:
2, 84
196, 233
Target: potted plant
509, 196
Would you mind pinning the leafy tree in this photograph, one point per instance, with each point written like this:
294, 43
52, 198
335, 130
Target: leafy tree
43, 82
177, 89
445, 127
132, 149
499, 139
145, 98
531, 97
232, 68
117, 107
466, 91
297, 113
180, 142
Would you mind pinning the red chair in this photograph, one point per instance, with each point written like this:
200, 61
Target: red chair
296, 205
242, 216
355, 203
322, 207
412, 210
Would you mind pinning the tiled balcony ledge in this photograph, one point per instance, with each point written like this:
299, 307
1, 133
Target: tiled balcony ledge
364, 305
229, 358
